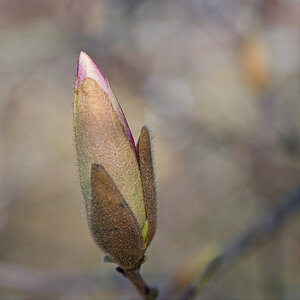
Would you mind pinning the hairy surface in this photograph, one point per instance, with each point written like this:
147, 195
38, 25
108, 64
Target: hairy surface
147, 174
113, 226
100, 138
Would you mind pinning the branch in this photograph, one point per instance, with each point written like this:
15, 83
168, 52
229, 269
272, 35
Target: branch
50, 284
262, 231
56, 285
134, 276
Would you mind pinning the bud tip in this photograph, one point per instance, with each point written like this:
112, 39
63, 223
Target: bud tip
86, 68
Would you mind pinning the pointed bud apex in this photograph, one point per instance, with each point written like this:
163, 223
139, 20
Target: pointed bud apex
88, 69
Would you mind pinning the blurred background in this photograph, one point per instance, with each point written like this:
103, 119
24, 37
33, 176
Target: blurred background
216, 81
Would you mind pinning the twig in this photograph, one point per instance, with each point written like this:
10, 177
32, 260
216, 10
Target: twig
267, 226
43, 284
56, 285
134, 276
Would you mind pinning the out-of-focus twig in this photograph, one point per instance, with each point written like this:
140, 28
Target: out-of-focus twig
48, 284
262, 231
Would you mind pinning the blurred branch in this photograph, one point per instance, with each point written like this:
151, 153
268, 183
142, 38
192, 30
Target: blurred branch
268, 225
40, 283
54, 284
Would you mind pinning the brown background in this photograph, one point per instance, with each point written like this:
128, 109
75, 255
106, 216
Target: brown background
216, 81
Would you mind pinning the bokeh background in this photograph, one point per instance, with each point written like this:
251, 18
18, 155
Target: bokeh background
216, 81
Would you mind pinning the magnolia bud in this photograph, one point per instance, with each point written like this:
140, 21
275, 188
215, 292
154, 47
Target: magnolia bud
116, 177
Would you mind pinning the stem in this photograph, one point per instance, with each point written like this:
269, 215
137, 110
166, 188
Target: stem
134, 276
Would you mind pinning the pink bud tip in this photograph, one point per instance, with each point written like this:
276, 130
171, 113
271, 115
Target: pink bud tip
86, 68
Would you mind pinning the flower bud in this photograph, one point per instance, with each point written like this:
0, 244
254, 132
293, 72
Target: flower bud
116, 178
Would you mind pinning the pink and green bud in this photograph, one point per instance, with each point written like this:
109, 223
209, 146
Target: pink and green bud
116, 177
